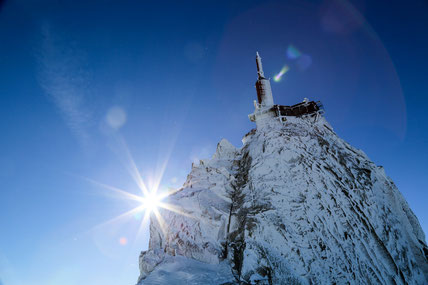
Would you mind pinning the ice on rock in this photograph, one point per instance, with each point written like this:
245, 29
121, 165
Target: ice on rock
294, 205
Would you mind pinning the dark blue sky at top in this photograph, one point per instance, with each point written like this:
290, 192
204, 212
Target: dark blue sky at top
183, 73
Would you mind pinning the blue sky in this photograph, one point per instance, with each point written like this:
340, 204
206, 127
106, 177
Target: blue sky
84, 87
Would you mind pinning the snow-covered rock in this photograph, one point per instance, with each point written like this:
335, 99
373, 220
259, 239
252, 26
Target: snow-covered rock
294, 205
178, 270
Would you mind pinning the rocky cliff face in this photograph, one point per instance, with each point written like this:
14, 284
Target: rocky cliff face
295, 205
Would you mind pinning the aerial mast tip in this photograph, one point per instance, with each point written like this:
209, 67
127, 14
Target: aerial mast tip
259, 65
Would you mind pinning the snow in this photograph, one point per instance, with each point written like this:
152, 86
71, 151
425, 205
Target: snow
295, 204
179, 270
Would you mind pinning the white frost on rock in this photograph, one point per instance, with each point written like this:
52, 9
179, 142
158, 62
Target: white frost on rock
295, 205
178, 270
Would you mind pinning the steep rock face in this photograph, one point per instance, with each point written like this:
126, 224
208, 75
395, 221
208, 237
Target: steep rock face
296, 204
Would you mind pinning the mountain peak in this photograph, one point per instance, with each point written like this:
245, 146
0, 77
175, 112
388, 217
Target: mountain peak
224, 150
295, 204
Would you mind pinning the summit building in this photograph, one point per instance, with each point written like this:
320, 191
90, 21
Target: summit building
265, 109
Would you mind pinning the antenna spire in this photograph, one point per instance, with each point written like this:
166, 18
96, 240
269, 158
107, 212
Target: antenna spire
259, 66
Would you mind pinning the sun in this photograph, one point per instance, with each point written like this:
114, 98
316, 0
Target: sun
151, 201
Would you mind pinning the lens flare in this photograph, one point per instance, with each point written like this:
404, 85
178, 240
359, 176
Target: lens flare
278, 77
116, 117
149, 201
293, 52
123, 241
304, 62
